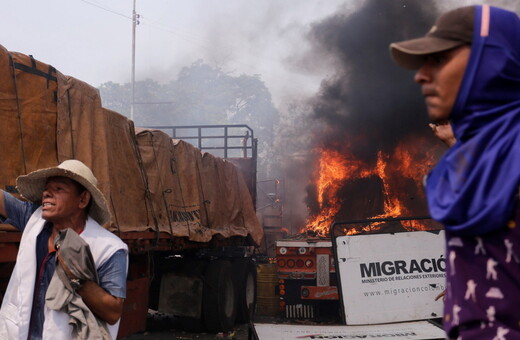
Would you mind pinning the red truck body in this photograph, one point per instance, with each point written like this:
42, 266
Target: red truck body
307, 278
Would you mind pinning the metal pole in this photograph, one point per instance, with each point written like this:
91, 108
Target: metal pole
134, 23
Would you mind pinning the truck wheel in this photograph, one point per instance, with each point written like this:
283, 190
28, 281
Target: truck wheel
244, 274
218, 297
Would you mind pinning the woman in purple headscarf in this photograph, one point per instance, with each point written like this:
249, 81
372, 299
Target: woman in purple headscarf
469, 71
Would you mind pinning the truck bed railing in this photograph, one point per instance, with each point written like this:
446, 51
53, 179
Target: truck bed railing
235, 140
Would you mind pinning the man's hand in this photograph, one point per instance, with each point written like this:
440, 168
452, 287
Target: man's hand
104, 305
444, 132
441, 295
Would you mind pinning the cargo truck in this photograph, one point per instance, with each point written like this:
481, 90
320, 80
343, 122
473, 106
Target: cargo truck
187, 216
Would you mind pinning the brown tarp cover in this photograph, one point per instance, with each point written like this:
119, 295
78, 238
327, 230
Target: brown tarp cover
195, 195
105, 141
27, 116
47, 117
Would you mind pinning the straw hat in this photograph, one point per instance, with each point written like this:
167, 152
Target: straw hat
31, 186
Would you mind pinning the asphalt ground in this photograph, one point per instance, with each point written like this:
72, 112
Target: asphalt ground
239, 333
162, 327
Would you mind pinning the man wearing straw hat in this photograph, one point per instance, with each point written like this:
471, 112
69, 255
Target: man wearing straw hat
61, 198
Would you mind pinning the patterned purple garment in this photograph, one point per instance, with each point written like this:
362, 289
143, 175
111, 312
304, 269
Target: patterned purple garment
483, 285
473, 190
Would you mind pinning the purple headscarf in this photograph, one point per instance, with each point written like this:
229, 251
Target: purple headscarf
473, 188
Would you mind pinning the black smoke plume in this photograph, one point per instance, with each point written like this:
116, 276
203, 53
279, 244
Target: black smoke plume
370, 104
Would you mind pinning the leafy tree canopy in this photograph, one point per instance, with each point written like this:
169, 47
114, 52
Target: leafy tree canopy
201, 95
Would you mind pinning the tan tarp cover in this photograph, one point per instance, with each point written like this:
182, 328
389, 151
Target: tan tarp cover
196, 195
105, 141
27, 117
228, 204
47, 117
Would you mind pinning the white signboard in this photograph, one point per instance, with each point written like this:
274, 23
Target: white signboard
405, 330
391, 277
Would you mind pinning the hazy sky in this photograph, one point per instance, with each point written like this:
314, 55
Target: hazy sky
92, 39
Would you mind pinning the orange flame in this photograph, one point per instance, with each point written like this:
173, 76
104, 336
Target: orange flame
406, 162
333, 170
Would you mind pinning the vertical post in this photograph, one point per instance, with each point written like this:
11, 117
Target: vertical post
244, 144
134, 23
225, 142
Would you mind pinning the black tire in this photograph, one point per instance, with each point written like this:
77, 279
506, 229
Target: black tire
219, 297
244, 274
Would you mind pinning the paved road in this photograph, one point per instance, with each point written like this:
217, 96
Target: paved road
241, 333
164, 328
161, 327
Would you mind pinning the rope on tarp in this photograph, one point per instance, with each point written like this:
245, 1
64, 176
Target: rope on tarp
69, 107
20, 125
162, 190
174, 170
147, 194
205, 202
115, 214
34, 70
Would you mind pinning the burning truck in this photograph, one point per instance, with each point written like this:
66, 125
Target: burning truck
367, 147
306, 267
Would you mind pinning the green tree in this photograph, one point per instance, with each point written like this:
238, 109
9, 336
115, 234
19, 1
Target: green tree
202, 95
